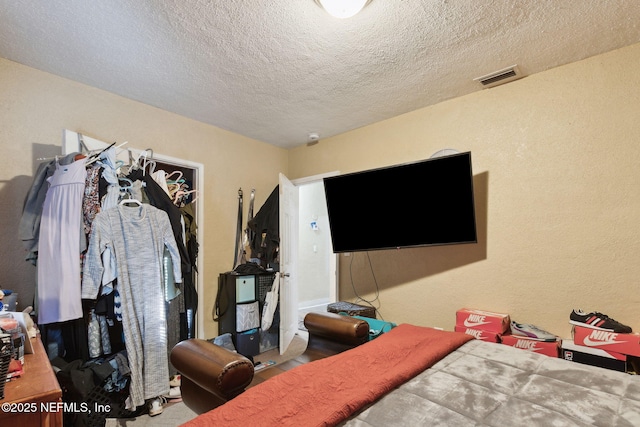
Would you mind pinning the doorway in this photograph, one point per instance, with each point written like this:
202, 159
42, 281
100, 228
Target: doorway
317, 264
295, 219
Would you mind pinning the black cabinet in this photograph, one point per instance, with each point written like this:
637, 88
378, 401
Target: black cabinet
234, 289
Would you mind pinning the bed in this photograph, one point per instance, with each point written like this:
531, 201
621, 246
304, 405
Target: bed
415, 376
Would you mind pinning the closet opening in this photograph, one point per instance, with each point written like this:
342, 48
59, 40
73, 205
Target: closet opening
192, 172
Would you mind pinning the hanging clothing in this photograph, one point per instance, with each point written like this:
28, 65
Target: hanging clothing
190, 233
29, 227
110, 174
159, 199
91, 200
174, 298
67, 340
97, 329
59, 246
108, 163
161, 178
137, 236
187, 326
98, 335
266, 231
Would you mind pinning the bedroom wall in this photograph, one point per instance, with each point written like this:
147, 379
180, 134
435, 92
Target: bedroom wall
34, 109
557, 184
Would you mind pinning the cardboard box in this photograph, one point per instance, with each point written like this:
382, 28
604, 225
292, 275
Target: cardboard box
594, 356
542, 347
480, 334
483, 320
610, 341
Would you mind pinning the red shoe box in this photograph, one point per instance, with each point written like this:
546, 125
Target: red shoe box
479, 334
548, 348
610, 341
482, 320
594, 356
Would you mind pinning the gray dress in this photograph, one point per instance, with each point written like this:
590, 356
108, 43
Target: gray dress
137, 236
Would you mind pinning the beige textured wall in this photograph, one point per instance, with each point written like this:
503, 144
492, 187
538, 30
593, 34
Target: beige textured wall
557, 183
34, 109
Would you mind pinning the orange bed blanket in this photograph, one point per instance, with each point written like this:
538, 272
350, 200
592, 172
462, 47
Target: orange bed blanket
328, 391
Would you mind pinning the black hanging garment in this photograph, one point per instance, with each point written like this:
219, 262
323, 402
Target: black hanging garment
187, 325
266, 230
160, 199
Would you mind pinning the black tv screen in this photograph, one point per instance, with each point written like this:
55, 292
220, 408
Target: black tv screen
425, 203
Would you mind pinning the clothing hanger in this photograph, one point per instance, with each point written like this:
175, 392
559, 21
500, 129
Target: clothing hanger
133, 163
167, 176
143, 160
130, 200
183, 194
96, 157
173, 189
127, 187
142, 156
127, 190
118, 152
151, 164
177, 195
197, 194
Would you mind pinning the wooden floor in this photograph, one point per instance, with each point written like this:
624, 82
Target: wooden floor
297, 347
316, 349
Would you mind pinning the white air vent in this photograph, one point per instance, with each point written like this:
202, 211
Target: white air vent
499, 77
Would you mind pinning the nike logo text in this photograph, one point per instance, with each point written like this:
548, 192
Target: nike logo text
474, 320
527, 345
474, 333
601, 338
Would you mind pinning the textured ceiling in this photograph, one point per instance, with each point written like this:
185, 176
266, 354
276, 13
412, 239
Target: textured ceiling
278, 70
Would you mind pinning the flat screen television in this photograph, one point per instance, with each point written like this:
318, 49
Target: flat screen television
425, 203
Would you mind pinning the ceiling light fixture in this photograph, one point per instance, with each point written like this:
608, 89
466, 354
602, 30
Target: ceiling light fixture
342, 8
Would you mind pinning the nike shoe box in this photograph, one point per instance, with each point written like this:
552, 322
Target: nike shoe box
610, 341
594, 356
548, 348
480, 334
483, 320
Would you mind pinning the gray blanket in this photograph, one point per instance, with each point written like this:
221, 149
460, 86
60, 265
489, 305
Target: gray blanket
486, 384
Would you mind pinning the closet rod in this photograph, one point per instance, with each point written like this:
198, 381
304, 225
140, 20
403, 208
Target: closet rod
89, 162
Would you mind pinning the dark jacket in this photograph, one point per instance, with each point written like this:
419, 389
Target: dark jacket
266, 228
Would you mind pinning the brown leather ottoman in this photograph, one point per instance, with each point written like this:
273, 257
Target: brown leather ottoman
212, 375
